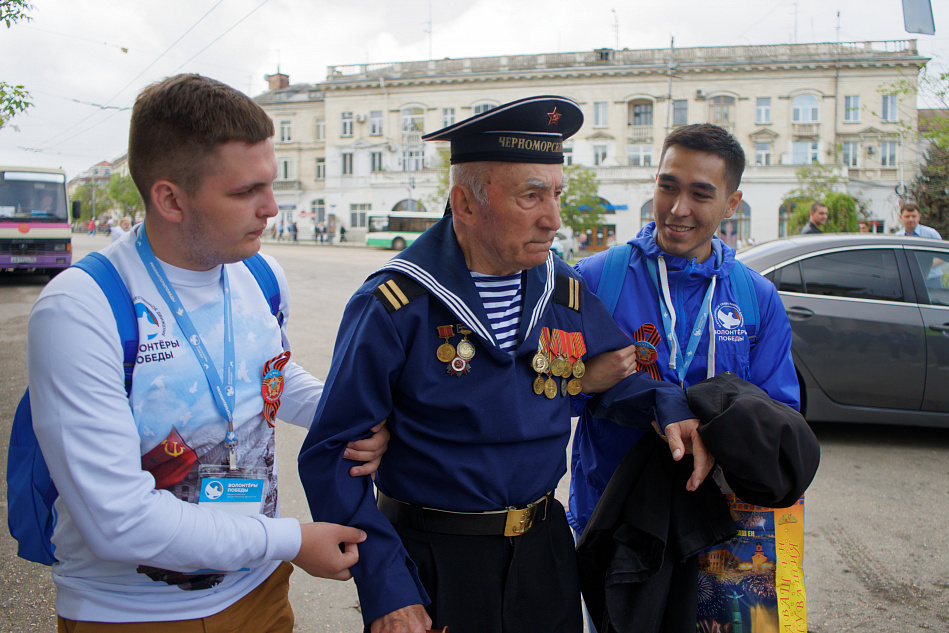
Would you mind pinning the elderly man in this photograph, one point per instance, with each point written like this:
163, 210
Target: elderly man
469, 342
818, 219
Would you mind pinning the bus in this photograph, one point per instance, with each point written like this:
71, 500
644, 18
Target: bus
35, 230
398, 229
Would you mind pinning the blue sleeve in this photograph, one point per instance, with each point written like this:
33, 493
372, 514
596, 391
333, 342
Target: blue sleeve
771, 366
367, 362
637, 400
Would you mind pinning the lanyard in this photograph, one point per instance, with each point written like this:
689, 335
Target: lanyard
676, 360
221, 390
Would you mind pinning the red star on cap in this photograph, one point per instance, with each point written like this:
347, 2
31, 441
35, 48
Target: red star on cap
554, 117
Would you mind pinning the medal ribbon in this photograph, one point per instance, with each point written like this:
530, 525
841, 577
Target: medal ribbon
270, 408
565, 345
543, 345
678, 362
445, 331
221, 390
578, 346
647, 332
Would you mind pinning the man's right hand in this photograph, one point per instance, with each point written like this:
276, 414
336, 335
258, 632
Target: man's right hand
410, 619
328, 550
604, 370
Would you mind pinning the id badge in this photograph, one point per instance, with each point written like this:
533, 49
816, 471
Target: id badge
241, 491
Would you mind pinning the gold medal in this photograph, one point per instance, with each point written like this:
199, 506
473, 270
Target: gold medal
556, 366
540, 363
579, 369
550, 388
445, 352
567, 369
465, 349
539, 385
574, 386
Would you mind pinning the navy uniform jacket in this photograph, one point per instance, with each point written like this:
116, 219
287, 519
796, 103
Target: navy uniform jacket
472, 442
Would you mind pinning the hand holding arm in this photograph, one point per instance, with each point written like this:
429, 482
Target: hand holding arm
410, 619
683, 437
605, 370
320, 554
369, 450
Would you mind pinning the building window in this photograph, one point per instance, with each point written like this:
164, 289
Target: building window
736, 228
285, 169
321, 168
888, 154
763, 110
642, 114
852, 109
483, 107
722, 111
600, 114
805, 109
375, 123
376, 161
448, 117
285, 136
804, 152
851, 151
318, 209
888, 113
347, 163
762, 152
599, 154
639, 154
680, 112
568, 154
357, 215
347, 124
320, 129
413, 119
413, 160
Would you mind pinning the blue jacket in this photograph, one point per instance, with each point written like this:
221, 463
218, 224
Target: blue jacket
598, 446
473, 442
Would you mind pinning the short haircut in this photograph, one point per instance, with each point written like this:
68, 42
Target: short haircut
179, 122
474, 176
909, 206
817, 205
712, 139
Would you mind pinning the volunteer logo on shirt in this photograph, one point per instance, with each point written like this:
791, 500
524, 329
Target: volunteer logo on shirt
152, 345
729, 322
150, 323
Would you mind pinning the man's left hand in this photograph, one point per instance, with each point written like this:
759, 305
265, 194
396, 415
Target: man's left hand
369, 450
683, 437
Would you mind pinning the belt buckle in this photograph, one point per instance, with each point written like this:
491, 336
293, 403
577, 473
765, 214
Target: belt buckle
520, 521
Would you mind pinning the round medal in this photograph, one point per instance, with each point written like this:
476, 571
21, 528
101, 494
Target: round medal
556, 366
465, 349
550, 388
540, 363
567, 369
271, 388
579, 369
538, 385
574, 387
645, 353
445, 352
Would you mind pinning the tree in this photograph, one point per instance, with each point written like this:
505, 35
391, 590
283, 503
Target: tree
83, 194
817, 183
437, 199
13, 99
930, 189
124, 196
580, 206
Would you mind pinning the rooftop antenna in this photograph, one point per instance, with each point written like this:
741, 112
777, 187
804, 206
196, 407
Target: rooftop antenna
838, 27
616, 28
429, 29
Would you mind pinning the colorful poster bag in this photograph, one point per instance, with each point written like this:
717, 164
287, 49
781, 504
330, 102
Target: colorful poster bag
754, 583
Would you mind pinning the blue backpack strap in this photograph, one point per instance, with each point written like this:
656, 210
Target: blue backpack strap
747, 300
267, 281
614, 272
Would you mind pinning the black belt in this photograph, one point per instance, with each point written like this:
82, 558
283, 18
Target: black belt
508, 522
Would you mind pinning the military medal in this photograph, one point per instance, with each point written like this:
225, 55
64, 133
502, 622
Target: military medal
466, 349
458, 366
271, 386
539, 385
540, 363
646, 339
550, 388
574, 386
577, 349
446, 351
556, 350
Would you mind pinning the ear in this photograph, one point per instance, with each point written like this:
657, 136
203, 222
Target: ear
169, 200
463, 205
733, 201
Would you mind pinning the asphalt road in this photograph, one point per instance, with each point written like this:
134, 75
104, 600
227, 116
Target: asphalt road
876, 543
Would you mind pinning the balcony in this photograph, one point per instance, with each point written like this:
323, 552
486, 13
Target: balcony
805, 129
639, 133
287, 185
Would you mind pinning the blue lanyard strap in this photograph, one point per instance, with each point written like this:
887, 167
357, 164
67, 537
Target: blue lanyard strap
221, 390
680, 364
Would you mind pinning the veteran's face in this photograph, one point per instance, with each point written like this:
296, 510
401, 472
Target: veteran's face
514, 230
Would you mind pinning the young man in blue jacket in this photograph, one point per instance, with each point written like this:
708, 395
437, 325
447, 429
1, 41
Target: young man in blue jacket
679, 303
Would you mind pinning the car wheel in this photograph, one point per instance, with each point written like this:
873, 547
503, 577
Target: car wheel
398, 244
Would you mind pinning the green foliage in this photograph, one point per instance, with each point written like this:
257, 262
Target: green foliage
580, 207
932, 87
13, 99
817, 182
930, 189
124, 196
83, 194
439, 198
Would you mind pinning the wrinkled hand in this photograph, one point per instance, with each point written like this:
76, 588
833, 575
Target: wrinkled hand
683, 437
605, 370
410, 619
369, 450
328, 550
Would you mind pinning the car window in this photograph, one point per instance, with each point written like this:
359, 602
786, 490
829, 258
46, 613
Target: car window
935, 268
788, 279
862, 274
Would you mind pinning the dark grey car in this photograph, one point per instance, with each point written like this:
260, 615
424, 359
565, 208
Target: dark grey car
870, 322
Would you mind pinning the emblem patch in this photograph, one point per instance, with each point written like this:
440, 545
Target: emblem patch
271, 386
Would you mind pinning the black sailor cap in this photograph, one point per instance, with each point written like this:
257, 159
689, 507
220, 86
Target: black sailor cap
528, 130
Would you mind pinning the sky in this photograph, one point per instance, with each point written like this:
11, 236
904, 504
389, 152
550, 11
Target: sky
84, 62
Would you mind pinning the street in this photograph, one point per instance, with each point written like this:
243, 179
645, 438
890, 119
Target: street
876, 543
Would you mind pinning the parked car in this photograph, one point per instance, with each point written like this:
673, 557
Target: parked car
563, 246
870, 321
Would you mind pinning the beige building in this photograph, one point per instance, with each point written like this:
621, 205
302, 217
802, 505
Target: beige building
350, 146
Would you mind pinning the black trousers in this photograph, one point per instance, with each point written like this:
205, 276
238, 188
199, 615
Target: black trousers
499, 584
